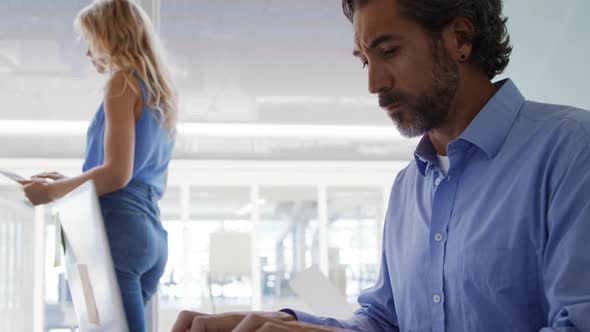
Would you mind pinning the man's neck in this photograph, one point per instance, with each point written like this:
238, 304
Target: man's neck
472, 95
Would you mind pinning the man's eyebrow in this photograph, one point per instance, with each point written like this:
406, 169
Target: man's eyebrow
376, 42
382, 39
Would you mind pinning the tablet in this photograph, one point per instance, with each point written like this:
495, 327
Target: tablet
12, 176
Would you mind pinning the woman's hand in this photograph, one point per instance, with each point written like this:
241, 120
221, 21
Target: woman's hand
38, 191
49, 175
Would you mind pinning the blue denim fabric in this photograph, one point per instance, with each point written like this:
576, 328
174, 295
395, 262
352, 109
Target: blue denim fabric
138, 245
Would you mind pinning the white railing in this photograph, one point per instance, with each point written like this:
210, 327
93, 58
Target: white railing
17, 244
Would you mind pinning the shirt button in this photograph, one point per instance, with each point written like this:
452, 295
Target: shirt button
436, 299
438, 237
437, 182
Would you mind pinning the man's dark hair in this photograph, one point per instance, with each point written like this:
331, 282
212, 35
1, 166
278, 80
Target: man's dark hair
491, 42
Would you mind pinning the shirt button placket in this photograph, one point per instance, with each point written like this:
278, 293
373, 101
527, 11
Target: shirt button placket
437, 181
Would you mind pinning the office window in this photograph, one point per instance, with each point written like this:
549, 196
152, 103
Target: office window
266, 62
16, 263
45, 75
355, 220
198, 273
288, 240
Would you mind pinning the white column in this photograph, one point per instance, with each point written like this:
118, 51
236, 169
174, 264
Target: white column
185, 215
152, 8
151, 311
39, 270
323, 229
256, 275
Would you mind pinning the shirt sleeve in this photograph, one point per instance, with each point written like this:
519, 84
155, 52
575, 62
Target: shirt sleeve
566, 257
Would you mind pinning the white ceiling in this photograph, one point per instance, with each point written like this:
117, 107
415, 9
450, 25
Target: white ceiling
259, 61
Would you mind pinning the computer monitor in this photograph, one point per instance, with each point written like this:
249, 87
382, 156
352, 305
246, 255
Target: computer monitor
88, 261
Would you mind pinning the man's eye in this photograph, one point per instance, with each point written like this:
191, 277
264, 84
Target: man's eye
391, 51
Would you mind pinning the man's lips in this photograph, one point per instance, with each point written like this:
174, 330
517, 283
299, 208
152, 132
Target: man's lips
393, 107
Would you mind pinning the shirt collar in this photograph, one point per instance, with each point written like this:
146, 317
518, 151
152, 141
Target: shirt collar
487, 131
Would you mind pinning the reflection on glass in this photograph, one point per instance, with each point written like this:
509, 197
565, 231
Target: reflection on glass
200, 272
220, 48
44, 73
170, 204
354, 216
16, 267
288, 241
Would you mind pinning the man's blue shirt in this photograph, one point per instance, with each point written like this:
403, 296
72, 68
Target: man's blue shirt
501, 242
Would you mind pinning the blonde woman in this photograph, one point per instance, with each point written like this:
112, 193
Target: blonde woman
129, 146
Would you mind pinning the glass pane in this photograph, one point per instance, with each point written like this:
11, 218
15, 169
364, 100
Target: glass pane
16, 263
254, 61
200, 273
43, 68
354, 216
45, 75
287, 236
59, 308
170, 204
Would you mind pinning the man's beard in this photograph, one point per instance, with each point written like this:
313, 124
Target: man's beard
428, 110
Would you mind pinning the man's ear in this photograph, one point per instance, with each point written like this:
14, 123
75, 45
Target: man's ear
458, 37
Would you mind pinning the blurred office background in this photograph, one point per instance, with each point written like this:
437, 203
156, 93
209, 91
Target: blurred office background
283, 160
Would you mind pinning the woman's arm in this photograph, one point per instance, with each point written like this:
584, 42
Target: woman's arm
119, 146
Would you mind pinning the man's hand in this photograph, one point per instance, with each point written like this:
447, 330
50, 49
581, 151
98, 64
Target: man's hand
199, 322
256, 323
242, 322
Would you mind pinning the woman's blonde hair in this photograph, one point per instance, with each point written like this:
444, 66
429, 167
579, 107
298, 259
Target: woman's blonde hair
121, 32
